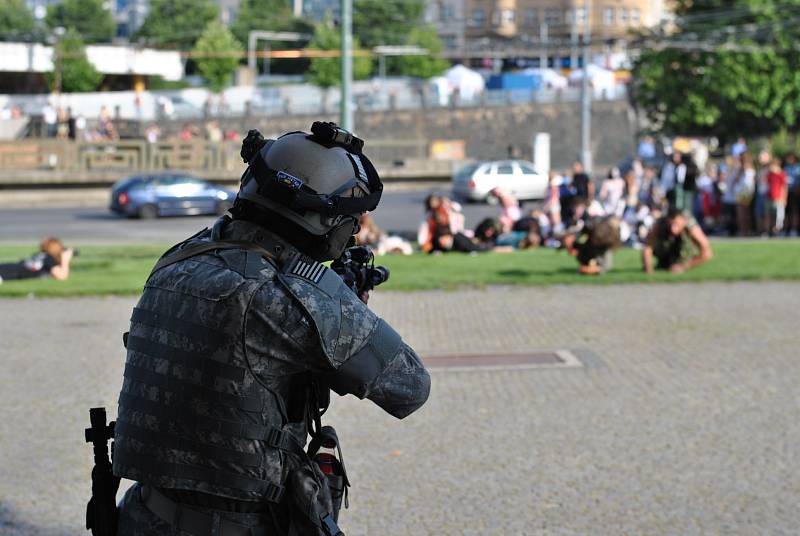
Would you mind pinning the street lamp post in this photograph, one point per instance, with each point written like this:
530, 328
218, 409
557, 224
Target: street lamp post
346, 104
543, 40
255, 35
59, 34
586, 103
395, 50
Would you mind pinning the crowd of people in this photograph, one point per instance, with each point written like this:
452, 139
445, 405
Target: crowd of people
666, 211
742, 197
737, 195
641, 207
61, 123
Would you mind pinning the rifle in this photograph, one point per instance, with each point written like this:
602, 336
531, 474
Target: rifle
101, 511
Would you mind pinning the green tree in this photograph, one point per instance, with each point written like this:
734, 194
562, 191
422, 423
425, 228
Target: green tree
326, 72
176, 23
731, 67
267, 15
385, 22
217, 55
90, 18
273, 16
16, 20
428, 65
77, 73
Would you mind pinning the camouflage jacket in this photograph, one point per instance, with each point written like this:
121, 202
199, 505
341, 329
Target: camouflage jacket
221, 352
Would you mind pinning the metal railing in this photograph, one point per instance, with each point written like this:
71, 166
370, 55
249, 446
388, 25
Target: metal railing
283, 102
133, 156
383, 101
112, 158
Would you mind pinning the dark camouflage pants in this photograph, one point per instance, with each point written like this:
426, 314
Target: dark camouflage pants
136, 520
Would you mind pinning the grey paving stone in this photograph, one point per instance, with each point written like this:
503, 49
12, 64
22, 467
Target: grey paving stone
682, 421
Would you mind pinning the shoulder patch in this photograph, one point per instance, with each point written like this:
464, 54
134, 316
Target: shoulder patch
308, 269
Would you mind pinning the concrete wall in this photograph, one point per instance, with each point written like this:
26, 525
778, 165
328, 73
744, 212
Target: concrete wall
487, 132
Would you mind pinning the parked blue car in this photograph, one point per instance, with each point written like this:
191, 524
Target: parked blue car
168, 194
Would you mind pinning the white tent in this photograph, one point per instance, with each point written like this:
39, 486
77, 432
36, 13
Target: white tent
467, 82
550, 77
601, 80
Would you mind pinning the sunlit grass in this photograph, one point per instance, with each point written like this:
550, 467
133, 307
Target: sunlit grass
122, 270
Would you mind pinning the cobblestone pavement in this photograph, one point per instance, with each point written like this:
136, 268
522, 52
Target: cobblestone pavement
683, 419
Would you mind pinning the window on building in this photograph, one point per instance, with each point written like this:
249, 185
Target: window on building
580, 16
501, 17
608, 16
552, 17
636, 16
576, 16
445, 12
623, 15
531, 17
450, 42
478, 18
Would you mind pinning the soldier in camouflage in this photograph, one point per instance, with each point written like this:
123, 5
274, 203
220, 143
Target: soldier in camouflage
239, 336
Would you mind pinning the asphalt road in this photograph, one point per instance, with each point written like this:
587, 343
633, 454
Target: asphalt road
398, 212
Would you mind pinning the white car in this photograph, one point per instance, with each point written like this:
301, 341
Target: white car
473, 182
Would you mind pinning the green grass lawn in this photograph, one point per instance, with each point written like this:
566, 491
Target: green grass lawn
101, 270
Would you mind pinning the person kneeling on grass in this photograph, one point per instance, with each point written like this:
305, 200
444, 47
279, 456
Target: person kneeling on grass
677, 242
593, 244
52, 261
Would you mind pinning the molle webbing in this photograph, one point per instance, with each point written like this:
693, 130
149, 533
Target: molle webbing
181, 418
191, 360
199, 332
191, 416
207, 475
171, 441
184, 391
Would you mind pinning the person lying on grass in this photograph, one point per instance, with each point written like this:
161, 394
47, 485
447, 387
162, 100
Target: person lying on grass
677, 242
52, 260
593, 244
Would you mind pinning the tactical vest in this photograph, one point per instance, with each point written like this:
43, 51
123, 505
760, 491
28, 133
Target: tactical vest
192, 415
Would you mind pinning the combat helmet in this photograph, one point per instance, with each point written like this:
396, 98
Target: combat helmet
322, 182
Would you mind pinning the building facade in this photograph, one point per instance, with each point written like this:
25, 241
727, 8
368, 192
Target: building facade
514, 27
448, 17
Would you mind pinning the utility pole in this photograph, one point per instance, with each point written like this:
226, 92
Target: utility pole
57, 53
543, 38
586, 102
346, 104
573, 38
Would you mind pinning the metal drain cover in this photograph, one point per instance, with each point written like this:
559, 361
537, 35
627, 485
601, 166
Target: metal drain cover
503, 361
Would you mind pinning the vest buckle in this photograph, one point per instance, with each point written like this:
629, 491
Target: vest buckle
276, 439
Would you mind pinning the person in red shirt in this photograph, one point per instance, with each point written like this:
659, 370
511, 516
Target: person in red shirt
777, 192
